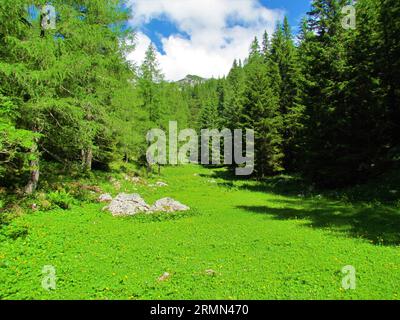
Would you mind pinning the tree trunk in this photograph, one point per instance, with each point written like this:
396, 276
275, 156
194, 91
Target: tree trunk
87, 159
31, 187
126, 157
148, 169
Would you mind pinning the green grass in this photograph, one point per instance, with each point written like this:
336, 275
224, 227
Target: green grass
262, 241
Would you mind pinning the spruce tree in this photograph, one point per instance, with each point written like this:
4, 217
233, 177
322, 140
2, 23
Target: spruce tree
63, 80
261, 114
284, 57
326, 154
233, 102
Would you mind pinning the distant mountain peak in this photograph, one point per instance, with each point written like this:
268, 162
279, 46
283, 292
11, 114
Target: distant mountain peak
192, 80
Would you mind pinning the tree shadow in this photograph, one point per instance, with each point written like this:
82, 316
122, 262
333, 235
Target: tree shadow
383, 189
369, 211
376, 223
282, 184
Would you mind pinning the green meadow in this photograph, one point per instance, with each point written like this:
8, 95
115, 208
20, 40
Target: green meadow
242, 239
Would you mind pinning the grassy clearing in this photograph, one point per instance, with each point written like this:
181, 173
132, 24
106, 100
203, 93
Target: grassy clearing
263, 240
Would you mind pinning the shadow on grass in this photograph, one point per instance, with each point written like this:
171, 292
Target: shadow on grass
384, 189
370, 211
377, 224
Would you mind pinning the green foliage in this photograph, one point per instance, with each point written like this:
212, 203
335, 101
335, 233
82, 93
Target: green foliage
13, 141
283, 56
61, 199
13, 231
64, 83
162, 216
325, 72
160, 102
261, 113
325, 106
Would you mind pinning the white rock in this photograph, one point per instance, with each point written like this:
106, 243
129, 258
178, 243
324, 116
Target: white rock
105, 198
165, 276
161, 184
168, 205
127, 205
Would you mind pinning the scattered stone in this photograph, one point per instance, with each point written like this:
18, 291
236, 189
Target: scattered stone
34, 207
135, 180
164, 277
211, 272
161, 184
127, 205
105, 198
168, 205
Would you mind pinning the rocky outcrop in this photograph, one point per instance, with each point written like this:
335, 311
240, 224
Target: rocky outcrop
168, 205
131, 204
105, 198
161, 184
127, 205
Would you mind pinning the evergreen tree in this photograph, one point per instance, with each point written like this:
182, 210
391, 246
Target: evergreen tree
284, 56
233, 102
326, 159
63, 80
389, 64
261, 113
149, 84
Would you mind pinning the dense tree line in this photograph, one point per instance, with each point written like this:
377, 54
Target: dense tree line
325, 104
68, 94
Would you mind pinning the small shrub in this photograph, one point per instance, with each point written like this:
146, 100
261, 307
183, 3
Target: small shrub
61, 199
45, 205
14, 231
82, 192
16, 210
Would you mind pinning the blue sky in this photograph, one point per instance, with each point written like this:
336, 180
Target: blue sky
204, 36
295, 9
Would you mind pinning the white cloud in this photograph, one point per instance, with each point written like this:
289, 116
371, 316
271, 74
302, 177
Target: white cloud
219, 30
142, 43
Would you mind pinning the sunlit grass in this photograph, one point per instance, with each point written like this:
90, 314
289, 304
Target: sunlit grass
261, 243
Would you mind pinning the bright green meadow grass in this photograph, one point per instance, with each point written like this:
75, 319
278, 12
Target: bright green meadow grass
260, 244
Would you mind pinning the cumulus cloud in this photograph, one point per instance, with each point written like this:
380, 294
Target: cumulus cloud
219, 31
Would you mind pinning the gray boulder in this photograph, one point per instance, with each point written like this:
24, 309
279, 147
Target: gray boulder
161, 184
105, 198
168, 205
127, 205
